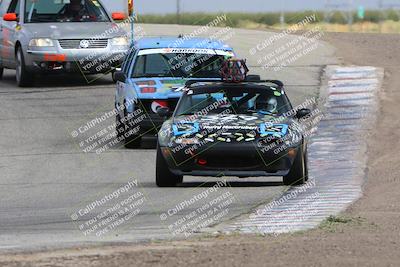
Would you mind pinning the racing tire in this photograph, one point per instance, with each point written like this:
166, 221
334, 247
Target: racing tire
164, 177
119, 127
23, 76
112, 76
298, 174
306, 165
1, 73
133, 141
130, 141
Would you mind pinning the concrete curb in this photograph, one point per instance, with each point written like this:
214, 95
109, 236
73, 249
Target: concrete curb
337, 157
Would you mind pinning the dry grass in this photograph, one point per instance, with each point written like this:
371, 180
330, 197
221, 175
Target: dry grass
366, 27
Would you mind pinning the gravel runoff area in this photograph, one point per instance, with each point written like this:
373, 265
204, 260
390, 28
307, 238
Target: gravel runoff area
367, 234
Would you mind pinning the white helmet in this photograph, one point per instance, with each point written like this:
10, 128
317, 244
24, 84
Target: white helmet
272, 105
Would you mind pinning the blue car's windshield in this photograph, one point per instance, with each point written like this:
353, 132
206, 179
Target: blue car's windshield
37, 11
183, 65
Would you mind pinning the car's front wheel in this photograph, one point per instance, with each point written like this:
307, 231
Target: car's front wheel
306, 165
298, 174
1, 73
23, 76
164, 177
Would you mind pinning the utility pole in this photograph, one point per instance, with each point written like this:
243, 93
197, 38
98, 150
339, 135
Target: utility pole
282, 17
178, 11
350, 15
345, 8
380, 15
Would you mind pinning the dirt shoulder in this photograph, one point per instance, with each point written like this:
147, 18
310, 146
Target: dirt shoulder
368, 233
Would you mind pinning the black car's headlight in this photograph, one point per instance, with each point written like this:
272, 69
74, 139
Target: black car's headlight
185, 129
275, 130
187, 141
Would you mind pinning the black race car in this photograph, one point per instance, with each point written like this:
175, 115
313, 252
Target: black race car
232, 129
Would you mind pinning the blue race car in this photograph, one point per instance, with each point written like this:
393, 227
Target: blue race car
153, 76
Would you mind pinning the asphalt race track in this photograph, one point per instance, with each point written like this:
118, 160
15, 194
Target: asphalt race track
45, 177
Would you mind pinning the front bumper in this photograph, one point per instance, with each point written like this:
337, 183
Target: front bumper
234, 159
56, 59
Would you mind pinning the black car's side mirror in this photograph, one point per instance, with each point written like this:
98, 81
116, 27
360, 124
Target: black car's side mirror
163, 112
303, 113
119, 76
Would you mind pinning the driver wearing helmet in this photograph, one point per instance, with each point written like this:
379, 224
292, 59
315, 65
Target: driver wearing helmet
267, 104
74, 11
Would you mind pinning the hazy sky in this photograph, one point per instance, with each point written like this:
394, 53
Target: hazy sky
169, 6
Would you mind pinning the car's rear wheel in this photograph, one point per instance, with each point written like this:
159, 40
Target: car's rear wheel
1, 72
298, 174
164, 177
112, 76
119, 127
23, 76
133, 141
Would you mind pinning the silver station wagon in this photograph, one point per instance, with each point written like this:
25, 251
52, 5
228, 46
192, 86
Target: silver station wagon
39, 36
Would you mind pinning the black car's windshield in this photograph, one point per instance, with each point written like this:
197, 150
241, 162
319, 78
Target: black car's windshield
37, 11
186, 65
235, 101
